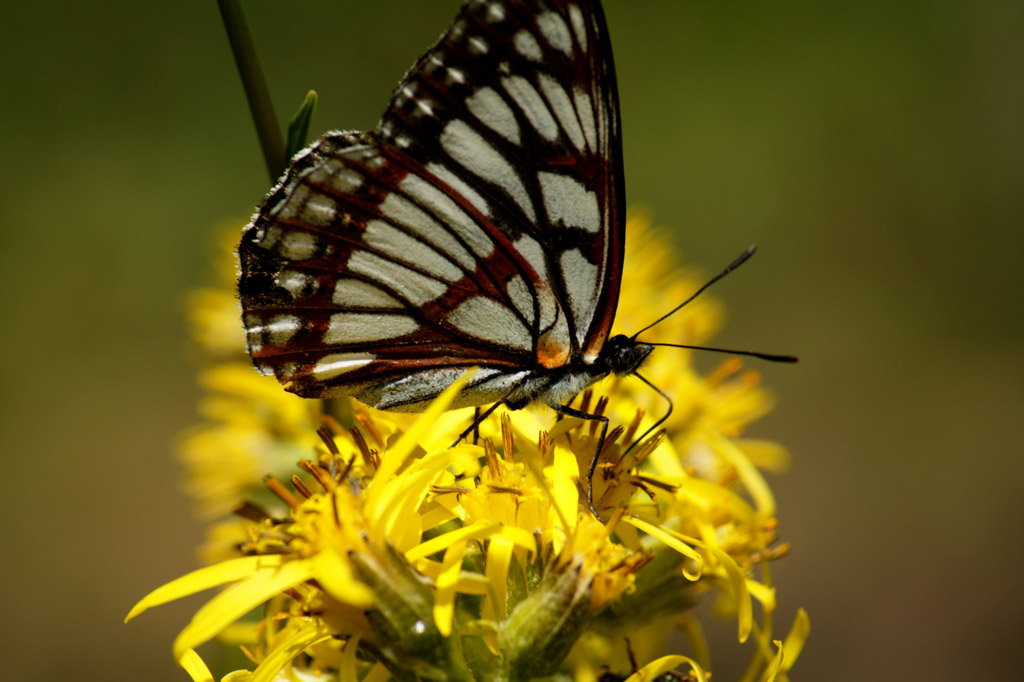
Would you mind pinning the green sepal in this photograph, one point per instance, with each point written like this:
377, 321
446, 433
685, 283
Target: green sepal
298, 128
543, 627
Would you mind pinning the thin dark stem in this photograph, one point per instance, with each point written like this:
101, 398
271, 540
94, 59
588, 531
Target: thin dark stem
255, 86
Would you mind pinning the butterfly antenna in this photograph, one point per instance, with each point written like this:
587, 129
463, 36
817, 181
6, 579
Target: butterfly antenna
770, 357
732, 266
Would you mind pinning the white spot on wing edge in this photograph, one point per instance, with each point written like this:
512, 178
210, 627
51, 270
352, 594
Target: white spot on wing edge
297, 245
277, 332
466, 146
331, 366
298, 284
478, 45
487, 319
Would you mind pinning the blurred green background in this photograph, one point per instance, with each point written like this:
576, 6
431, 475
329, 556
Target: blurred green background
874, 150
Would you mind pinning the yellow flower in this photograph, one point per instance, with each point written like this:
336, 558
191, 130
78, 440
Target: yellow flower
391, 552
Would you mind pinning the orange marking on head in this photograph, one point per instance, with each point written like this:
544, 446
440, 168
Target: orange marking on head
550, 353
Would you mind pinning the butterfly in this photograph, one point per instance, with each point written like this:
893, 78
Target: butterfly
481, 225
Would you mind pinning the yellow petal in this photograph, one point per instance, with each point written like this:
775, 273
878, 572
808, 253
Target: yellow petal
194, 666
396, 455
694, 633
775, 666
239, 599
798, 634
203, 579
662, 665
402, 496
478, 531
738, 585
499, 557
309, 634
765, 454
348, 660
444, 600
752, 479
566, 492
335, 575
672, 540
762, 593
237, 676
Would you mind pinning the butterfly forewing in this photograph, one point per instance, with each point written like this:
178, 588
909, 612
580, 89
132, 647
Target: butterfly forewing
516, 106
480, 225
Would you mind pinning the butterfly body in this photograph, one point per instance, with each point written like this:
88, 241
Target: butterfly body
480, 225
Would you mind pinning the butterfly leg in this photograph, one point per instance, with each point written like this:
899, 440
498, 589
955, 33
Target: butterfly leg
474, 428
579, 414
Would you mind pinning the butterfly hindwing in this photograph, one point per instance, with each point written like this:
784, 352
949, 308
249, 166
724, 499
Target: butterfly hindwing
357, 274
479, 226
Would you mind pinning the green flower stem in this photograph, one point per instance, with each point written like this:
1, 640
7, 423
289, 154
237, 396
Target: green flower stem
255, 86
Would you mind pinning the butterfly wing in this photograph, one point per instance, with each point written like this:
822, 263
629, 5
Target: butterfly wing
480, 225
516, 105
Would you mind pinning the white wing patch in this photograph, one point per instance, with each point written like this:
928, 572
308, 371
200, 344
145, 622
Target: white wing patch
555, 32
298, 284
277, 332
578, 27
527, 46
402, 211
487, 319
568, 201
563, 108
520, 295
532, 105
415, 288
355, 293
321, 210
466, 146
447, 210
336, 364
580, 282
392, 242
297, 245
488, 106
585, 111
348, 328
334, 174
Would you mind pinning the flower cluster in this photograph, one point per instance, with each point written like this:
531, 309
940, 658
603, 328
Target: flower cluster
391, 553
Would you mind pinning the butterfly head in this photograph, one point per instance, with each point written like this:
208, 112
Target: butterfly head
623, 355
